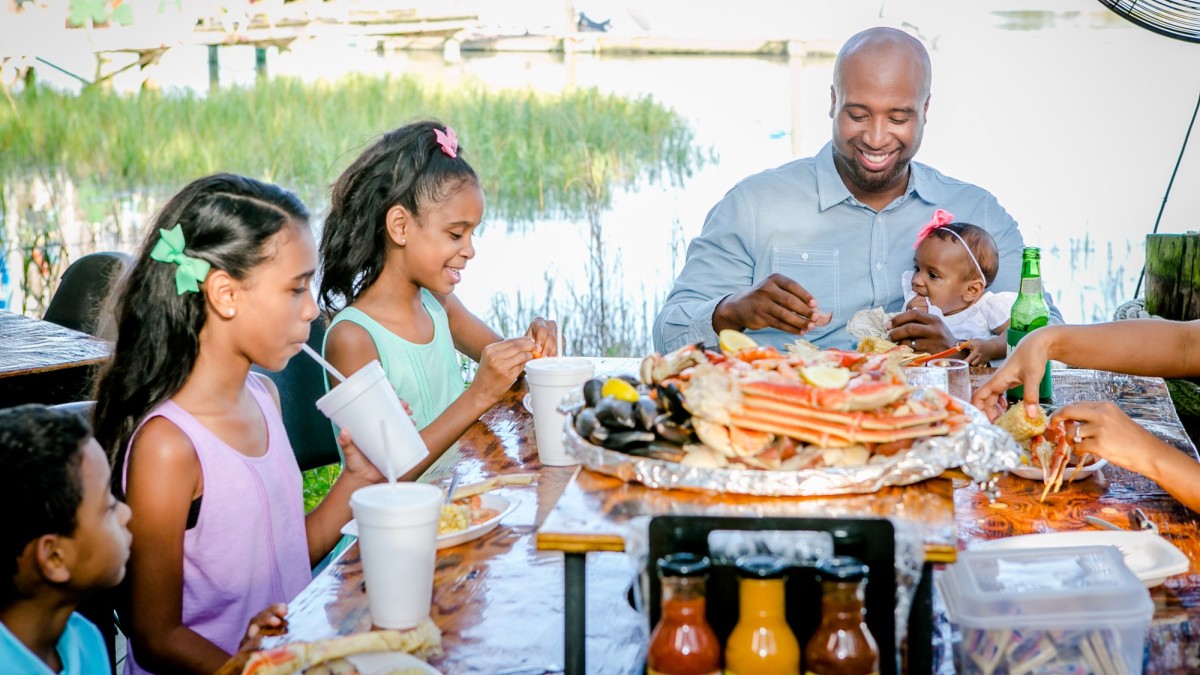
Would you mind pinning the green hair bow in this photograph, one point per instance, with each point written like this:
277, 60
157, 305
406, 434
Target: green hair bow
169, 249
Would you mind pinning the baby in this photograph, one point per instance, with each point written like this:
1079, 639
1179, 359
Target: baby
953, 266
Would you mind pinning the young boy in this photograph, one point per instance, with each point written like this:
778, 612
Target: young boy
63, 537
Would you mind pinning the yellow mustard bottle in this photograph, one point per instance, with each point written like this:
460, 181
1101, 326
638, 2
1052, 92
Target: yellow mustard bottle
761, 643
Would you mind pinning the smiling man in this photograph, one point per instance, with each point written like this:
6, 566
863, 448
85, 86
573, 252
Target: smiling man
798, 249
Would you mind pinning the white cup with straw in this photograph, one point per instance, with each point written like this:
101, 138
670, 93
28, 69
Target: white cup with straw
366, 405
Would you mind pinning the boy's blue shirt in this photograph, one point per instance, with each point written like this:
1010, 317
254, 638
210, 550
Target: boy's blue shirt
81, 649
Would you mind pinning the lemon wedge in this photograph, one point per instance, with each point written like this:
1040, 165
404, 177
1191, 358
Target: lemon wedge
620, 390
826, 377
734, 341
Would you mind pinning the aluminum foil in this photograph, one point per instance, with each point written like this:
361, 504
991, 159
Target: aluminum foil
979, 449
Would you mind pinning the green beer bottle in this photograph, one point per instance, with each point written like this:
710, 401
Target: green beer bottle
1029, 313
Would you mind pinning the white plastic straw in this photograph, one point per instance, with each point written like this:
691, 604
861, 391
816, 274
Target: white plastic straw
324, 364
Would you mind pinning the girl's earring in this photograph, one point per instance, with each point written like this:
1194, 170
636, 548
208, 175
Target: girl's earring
230, 313
403, 241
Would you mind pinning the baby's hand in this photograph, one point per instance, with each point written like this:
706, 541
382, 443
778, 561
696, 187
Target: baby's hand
499, 366
918, 302
545, 337
976, 357
268, 622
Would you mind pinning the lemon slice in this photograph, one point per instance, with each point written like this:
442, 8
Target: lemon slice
826, 377
620, 390
734, 341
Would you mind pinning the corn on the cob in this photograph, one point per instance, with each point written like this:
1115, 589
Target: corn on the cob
1022, 428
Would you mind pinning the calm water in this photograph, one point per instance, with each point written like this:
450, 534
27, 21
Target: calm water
1074, 120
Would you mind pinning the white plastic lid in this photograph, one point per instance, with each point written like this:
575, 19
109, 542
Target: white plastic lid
571, 370
1044, 587
391, 500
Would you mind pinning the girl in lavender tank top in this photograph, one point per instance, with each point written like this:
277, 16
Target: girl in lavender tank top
220, 538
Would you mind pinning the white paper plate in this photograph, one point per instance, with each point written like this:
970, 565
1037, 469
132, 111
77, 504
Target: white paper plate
527, 401
1035, 472
488, 500
1151, 558
380, 663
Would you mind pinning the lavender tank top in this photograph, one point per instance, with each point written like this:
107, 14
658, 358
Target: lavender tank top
248, 548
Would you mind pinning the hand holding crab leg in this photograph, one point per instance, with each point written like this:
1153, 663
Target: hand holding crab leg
775, 302
1105, 431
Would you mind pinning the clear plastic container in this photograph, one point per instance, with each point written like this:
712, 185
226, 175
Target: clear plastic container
1046, 610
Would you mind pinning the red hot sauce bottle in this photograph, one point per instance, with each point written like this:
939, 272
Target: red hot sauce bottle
683, 643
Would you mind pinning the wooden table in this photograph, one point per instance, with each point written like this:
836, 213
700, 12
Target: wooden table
42, 362
499, 600
1173, 644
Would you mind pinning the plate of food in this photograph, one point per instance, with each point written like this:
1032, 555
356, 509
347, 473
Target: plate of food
375, 663
1047, 448
1149, 556
380, 651
463, 519
1073, 472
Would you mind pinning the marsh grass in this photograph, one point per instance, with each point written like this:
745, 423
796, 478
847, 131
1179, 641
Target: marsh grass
529, 148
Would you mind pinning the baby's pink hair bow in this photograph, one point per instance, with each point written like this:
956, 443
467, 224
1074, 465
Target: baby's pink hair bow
940, 217
448, 141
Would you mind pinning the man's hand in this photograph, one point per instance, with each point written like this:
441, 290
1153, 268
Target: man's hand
922, 331
775, 302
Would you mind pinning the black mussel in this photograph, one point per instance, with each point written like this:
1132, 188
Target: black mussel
670, 401
644, 413
673, 432
586, 421
624, 440
591, 391
599, 435
656, 450
615, 414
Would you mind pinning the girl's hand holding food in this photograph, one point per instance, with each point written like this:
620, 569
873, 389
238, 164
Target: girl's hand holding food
270, 621
544, 334
500, 364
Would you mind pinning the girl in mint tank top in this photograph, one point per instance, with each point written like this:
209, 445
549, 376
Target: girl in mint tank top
393, 248
220, 537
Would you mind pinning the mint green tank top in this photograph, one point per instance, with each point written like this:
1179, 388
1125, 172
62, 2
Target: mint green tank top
427, 376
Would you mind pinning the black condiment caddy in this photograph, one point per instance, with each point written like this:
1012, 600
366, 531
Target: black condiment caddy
871, 540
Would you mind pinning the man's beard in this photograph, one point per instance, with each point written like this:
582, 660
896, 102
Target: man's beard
873, 181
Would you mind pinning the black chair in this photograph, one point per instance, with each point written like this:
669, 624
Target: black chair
79, 299
300, 384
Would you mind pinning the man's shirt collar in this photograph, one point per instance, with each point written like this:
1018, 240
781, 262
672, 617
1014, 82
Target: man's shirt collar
832, 190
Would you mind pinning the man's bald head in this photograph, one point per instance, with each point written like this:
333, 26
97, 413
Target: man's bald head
885, 45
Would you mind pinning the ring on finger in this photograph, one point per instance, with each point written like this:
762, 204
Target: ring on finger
1078, 437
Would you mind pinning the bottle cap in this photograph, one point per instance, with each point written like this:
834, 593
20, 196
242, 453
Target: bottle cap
842, 568
683, 565
761, 566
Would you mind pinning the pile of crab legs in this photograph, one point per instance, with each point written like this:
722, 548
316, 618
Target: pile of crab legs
741, 400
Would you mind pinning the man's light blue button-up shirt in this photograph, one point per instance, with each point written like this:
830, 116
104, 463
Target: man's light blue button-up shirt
801, 221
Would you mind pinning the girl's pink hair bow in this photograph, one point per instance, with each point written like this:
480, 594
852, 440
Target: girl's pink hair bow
940, 217
448, 141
